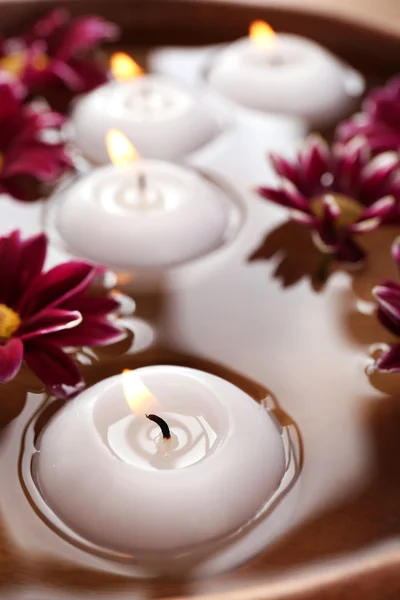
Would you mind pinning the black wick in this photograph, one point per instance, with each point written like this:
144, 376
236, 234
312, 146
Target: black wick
162, 424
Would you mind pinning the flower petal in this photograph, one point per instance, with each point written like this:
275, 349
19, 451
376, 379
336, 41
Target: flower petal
314, 163
10, 260
277, 196
54, 367
44, 162
48, 321
93, 305
350, 252
56, 286
83, 33
49, 24
92, 331
390, 361
376, 174
396, 251
11, 355
379, 209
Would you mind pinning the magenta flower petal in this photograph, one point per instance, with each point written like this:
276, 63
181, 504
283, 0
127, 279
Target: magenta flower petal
10, 258
93, 331
390, 361
283, 167
350, 252
314, 160
89, 73
83, 33
10, 94
68, 75
380, 209
56, 286
51, 320
95, 306
48, 25
388, 299
276, 196
32, 254
379, 172
54, 367
42, 161
11, 355
396, 251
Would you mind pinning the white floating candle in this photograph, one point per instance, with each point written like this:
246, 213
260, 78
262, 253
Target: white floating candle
161, 118
285, 74
168, 503
140, 215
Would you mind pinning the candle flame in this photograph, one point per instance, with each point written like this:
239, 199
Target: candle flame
138, 397
123, 67
119, 148
262, 35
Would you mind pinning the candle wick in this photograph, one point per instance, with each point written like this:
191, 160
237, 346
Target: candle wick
162, 424
142, 186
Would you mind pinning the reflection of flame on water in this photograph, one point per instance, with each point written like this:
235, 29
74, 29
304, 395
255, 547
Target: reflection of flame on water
138, 397
262, 35
120, 150
123, 67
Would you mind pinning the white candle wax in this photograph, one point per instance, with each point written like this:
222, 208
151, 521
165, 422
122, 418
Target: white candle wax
292, 76
166, 508
161, 118
109, 217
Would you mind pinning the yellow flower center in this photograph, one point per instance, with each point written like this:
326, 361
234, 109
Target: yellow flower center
9, 321
15, 63
40, 62
350, 209
1, 161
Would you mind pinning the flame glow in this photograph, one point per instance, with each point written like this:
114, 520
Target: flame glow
119, 148
262, 35
123, 67
139, 399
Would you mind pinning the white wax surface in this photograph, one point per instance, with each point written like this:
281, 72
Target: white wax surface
161, 118
136, 505
100, 217
296, 77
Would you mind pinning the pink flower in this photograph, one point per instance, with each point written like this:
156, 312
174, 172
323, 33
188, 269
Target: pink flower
379, 120
387, 295
338, 193
43, 312
26, 159
56, 50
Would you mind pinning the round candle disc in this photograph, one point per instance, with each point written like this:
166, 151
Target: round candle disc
203, 499
161, 118
111, 218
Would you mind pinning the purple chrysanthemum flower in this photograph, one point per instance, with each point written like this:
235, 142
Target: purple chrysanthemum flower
338, 193
55, 50
379, 120
387, 295
26, 158
43, 312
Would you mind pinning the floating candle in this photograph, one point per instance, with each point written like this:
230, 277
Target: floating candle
169, 504
285, 74
161, 118
140, 215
